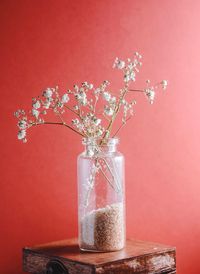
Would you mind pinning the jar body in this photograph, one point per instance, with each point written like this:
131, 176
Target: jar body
101, 199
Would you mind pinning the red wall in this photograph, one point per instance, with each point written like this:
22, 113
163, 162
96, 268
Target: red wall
46, 42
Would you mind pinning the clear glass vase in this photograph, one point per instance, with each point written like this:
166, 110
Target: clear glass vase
101, 197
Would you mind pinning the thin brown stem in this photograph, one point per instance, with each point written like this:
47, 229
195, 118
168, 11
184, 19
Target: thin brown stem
79, 112
111, 172
57, 123
122, 125
137, 90
61, 118
117, 109
72, 110
106, 117
110, 183
95, 103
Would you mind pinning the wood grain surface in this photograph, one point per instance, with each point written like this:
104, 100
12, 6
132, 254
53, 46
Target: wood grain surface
136, 257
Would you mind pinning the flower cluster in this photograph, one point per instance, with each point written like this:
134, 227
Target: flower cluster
84, 102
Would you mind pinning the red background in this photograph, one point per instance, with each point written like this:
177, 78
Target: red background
45, 43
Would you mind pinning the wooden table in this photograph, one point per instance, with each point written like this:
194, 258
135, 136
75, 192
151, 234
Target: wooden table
64, 257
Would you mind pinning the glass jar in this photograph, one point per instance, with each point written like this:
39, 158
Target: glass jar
101, 197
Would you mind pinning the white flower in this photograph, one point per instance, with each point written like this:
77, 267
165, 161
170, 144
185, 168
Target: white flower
99, 132
150, 93
164, 84
127, 78
76, 87
80, 126
132, 75
124, 102
108, 111
119, 64
21, 134
90, 86
47, 104
37, 104
17, 114
75, 121
75, 107
35, 112
82, 98
22, 124
107, 96
97, 91
113, 100
84, 101
65, 98
138, 55
97, 121
48, 93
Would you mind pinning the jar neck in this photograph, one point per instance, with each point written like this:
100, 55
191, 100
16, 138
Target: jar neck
94, 146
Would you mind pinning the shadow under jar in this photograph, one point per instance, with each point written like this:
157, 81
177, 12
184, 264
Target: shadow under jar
101, 196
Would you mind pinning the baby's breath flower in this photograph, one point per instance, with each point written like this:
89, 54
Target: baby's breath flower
99, 132
123, 101
65, 98
35, 112
80, 126
85, 108
119, 64
97, 121
138, 55
36, 105
16, 114
112, 100
48, 93
107, 96
150, 93
41, 121
106, 83
97, 91
75, 107
75, 121
129, 76
22, 124
21, 134
19, 112
108, 110
164, 84
90, 86
76, 88
82, 98
47, 104
85, 84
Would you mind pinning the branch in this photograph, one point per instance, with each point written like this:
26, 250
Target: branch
71, 110
137, 90
115, 114
57, 123
122, 125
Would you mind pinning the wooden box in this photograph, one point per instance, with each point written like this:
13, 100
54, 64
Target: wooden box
64, 257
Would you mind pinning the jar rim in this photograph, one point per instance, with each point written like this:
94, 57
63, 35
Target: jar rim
93, 141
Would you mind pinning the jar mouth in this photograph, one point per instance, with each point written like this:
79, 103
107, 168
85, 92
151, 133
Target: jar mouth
92, 141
